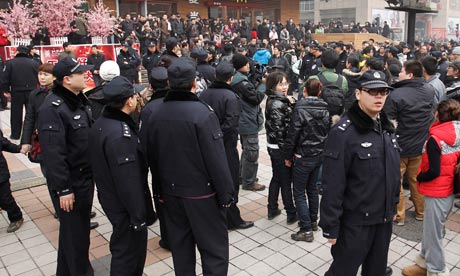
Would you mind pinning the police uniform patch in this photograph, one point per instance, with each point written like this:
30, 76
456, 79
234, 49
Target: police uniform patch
126, 130
57, 102
344, 125
366, 145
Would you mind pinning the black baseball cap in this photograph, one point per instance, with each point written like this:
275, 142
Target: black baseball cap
68, 66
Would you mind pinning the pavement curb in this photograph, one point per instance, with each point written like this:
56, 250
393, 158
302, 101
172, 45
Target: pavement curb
27, 183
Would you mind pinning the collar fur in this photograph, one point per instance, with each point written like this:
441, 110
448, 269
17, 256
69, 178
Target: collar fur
159, 93
73, 101
181, 95
118, 115
364, 123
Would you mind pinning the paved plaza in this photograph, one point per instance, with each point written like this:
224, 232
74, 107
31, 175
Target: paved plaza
263, 250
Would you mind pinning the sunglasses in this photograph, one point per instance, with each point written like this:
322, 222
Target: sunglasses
378, 91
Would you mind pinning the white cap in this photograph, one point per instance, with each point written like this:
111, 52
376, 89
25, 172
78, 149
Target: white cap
109, 70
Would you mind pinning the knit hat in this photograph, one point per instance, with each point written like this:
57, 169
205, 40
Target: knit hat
239, 61
109, 69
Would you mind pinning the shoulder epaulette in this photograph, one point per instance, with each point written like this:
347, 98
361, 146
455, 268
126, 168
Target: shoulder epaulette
57, 102
344, 124
125, 129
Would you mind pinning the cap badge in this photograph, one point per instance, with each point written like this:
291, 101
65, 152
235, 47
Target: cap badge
376, 75
366, 145
76, 117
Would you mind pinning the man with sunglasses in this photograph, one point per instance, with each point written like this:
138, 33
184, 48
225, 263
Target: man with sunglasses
361, 183
411, 104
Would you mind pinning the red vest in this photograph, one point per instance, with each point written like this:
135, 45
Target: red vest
447, 136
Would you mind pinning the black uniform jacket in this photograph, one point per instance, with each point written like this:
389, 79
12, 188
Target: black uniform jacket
361, 177
226, 104
128, 62
96, 60
121, 169
20, 74
64, 120
6, 145
185, 152
150, 60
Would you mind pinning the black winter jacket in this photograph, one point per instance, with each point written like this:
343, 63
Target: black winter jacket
352, 75
6, 145
128, 62
411, 104
20, 74
278, 110
36, 99
308, 128
361, 177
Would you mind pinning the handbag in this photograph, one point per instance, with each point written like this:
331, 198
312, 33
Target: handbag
34, 154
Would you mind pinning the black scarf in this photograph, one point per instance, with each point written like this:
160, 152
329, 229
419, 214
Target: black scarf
118, 115
364, 123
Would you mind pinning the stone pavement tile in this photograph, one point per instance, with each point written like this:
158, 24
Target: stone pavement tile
323, 252
8, 240
455, 271
293, 252
100, 251
260, 268
307, 246
452, 247
24, 198
325, 267
453, 225
451, 258
29, 233
150, 258
97, 241
53, 236
249, 232
46, 258
277, 261
262, 237
277, 245
3, 272
261, 252
21, 267
15, 257
155, 269
234, 252
242, 273
11, 248
49, 269
34, 241
41, 249
232, 270
161, 253
153, 244
311, 262
244, 261
35, 272
246, 244
295, 269
277, 230
33, 208
403, 262
234, 236
39, 214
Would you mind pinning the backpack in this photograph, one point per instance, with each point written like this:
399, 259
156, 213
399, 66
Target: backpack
333, 95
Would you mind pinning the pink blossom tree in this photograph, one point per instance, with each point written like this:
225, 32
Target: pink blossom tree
57, 14
19, 21
99, 21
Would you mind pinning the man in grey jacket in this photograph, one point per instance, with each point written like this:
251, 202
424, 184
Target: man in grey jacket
430, 66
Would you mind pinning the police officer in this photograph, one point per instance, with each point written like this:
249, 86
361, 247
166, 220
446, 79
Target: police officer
206, 70
159, 84
128, 60
121, 178
64, 120
151, 58
361, 183
20, 77
227, 105
190, 173
311, 63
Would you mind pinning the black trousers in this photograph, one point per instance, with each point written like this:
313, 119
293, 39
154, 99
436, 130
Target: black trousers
361, 245
74, 230
54, 197
201, 223
128, 247
8, 203
159, 208
3, 101
19, 99
233, 160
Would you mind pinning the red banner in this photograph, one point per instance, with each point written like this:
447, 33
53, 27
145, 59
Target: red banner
49, 54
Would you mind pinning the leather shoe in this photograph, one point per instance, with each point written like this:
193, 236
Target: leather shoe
388, 271
457, 204
273, 214
245, 225
92, 214
254, 187
93, 225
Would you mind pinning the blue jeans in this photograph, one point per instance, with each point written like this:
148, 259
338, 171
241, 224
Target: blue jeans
281, 180
249, 158
305, 175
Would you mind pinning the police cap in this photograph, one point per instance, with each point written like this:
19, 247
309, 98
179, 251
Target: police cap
181, 70
117, 89
68, 66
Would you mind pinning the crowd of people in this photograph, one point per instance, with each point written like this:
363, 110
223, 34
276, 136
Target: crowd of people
365, 116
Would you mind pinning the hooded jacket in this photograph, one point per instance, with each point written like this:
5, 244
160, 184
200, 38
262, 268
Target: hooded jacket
262, 56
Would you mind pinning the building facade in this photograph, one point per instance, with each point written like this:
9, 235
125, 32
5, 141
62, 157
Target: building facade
440, 25
250, 10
